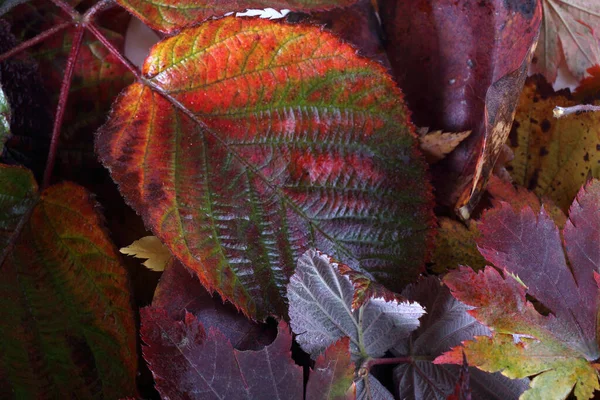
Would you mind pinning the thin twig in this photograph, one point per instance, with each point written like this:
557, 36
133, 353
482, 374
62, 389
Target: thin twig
35, 40
66, 7
62, 102
115, 52
560, 112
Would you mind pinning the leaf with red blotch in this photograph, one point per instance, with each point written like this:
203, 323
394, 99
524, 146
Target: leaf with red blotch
568, 33
250, 141
67, 325
462, 69
445, 325
333, 374
179, 291
172, 15
188, 363
558, 348
589, 87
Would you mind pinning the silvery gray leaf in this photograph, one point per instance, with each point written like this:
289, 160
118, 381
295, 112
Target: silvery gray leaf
371, 389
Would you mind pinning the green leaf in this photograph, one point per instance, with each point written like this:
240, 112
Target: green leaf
67, 326
171, 15
250, 141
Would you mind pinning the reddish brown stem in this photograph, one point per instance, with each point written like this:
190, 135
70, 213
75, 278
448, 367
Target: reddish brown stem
96, 32
100, 6
370, 363
66, 7
62, 102
35, 40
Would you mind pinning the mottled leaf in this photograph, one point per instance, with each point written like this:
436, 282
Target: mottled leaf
150, 248
568, 33
179, 291
462, 65
445, 325
4, 120
188, 363
553, 157
253, 141
333, 374
321, 311
558, 348
67, 325
171, 15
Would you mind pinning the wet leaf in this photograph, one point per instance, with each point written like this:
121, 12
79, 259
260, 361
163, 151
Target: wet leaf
568, 32
445, 325
157, 255
67, 325
172, 15
189, 363
559, 347
306, 144
553, 157
461, 68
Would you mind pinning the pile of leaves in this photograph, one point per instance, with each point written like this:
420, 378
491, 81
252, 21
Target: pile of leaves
365, 199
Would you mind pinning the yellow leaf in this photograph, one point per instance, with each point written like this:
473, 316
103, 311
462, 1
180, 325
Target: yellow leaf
151, 248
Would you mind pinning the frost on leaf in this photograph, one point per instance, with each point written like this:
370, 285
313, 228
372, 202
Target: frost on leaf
250, 141
67, 326
559, 347
446, 324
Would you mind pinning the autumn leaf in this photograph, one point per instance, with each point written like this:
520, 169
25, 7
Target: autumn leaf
445, 325
306, 144
67, 325
179, 291
438, 144
589, 87
462, 66
157, 255
553, 157
172, 15
558, 348
568, 32
322, 296
333, 374
4, 120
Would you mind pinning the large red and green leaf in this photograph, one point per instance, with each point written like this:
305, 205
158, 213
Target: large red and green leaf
67, 325
553, 157
558, 348
445, 325
171, 15
568, 33
462, 65
250, 141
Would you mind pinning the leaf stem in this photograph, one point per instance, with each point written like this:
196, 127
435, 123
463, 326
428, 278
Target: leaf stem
371, 362
35, 40
560, 112
62, 101
113, 50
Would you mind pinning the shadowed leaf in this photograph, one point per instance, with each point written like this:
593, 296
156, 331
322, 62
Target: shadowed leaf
255, 141
67, 325
4, 120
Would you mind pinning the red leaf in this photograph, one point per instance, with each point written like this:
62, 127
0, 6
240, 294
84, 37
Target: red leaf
462, 66
589, 87
332, 376
188, 363
255, 141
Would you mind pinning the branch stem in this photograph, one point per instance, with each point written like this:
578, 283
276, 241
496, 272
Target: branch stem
35, 40
371, 362
114, 51
560, 112
62, 102
66, 7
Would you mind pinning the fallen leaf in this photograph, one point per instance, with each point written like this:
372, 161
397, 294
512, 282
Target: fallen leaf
553, 157
462, 66
67, 325
157, 255
445, 325
557, 348
438, 144
172, 15
306, 145
568, 32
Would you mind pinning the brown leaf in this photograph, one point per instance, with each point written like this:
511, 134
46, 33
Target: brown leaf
438, 144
